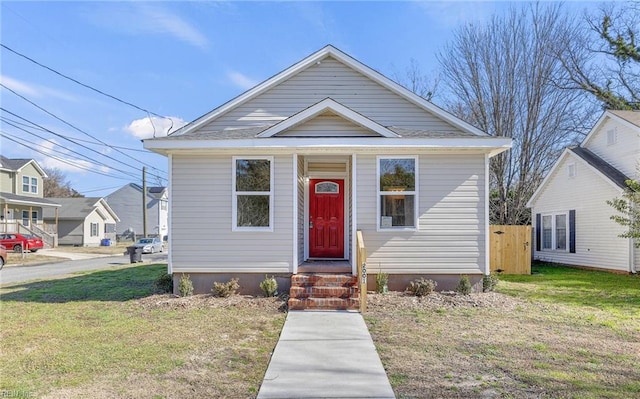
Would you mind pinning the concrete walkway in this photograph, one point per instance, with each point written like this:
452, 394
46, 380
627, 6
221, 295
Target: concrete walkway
325, 355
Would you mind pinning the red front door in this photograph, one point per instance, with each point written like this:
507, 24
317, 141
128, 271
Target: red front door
326, 218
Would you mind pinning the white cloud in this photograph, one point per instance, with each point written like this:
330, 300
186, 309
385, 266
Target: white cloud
34, 90
139, 18
154, 127
242, 81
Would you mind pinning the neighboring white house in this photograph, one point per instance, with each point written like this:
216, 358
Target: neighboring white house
126, 202
83, 221
282, 177
571, 216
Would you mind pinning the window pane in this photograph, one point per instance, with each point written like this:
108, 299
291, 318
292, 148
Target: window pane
34, 185
327, 187
253, 211
25, 184
253, 175
561, 232
397, 174
397, 211
546, 232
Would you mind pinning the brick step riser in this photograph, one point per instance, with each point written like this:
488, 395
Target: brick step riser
323, 292
323, 304
305, 281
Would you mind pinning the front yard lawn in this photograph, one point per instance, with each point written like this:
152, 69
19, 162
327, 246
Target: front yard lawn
559, 333
105, 335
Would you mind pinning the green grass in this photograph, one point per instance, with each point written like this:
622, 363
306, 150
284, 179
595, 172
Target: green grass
594, 293
93, 335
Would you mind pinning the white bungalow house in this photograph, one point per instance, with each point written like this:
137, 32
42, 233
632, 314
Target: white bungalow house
279, 179
84, 221
572, 218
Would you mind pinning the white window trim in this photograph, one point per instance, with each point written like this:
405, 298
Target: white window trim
414, 193
554, 238
234, 195
31, 185
91, 229
28, 184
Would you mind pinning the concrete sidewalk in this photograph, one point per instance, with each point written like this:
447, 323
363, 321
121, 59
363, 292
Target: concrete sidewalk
325, 355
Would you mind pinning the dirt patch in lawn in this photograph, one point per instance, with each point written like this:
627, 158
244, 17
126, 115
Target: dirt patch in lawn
493, 346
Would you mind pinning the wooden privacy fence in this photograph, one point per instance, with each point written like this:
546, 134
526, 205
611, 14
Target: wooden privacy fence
510, 249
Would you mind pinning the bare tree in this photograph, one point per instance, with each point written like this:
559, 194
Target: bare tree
55, 185
413, 79
604, 56
499, 78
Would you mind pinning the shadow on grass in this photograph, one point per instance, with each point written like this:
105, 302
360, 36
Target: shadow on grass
577, 286
106, 285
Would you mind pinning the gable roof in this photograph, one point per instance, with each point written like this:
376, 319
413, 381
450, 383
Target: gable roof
78, 208
601, 166
17, 164
321, 107
628, 118
318, 56
597, 164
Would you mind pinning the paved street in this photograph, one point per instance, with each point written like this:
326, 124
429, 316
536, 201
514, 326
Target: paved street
14, 274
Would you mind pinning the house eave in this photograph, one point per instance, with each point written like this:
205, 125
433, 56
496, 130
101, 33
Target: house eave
490, 145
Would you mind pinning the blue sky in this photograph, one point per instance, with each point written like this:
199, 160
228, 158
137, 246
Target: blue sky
181, 60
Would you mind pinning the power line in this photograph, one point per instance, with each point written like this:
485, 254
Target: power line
72, 141
79, 139
83, 84
68, 149
76, 165
77, 128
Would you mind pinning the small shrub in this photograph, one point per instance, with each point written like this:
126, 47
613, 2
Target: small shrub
225, 290
464, 285
164, 283
489, 282
382, 280
269, 286
185, 287
421, 287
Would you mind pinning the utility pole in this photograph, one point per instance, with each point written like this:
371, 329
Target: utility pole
144, 201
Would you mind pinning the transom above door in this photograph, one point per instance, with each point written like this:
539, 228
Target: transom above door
326, 218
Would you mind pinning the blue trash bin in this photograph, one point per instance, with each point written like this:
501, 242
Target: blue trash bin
106, 242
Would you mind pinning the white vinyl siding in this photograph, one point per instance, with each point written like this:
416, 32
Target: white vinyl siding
450, 238
326, 126
333, 79
597, 241
625, 153
201, 212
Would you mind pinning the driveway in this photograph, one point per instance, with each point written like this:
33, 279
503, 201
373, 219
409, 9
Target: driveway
82, 263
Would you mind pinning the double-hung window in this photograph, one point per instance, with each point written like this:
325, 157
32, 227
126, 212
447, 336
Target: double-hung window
252, 194
554, 232
397, 195
30, 184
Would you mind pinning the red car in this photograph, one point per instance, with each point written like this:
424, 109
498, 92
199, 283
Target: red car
3, 256
19, 241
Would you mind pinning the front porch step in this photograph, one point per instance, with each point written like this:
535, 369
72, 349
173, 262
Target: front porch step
324, 304
324, 291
